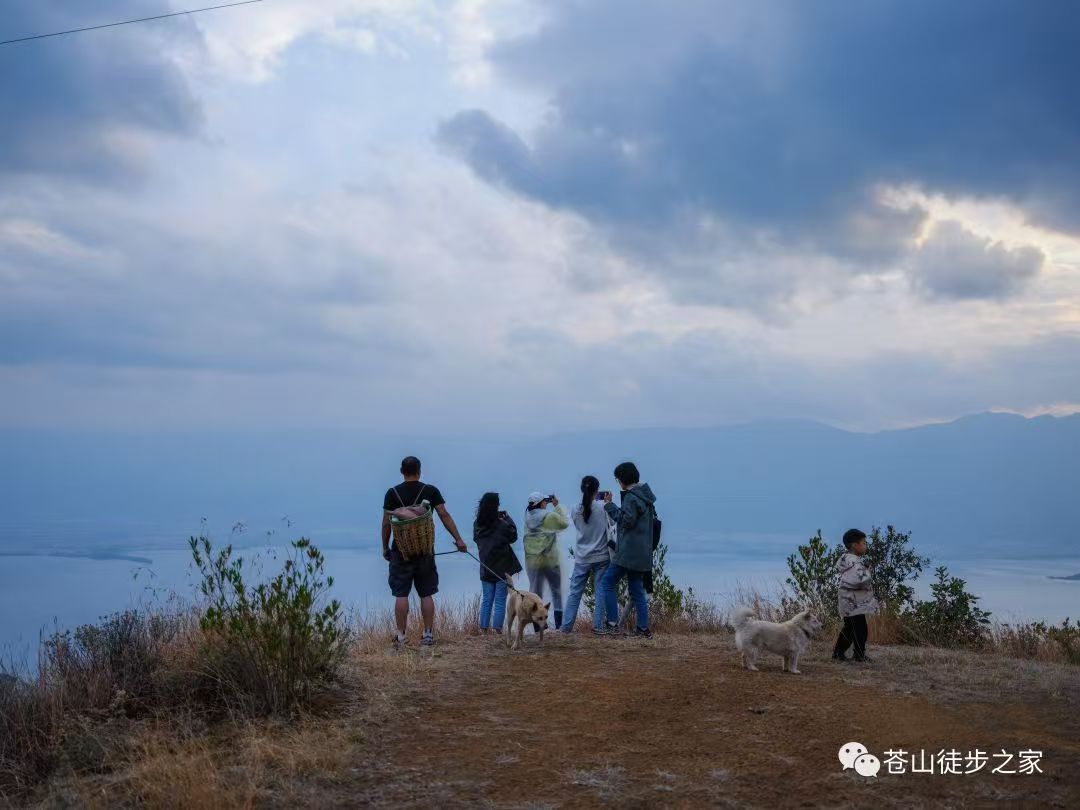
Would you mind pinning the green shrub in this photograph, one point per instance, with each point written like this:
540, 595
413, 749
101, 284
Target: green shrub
1067, 638
268, 646
813, 576
667, 603
950, 618
893, 565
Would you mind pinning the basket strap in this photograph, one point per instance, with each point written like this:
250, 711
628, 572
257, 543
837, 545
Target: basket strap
423, 489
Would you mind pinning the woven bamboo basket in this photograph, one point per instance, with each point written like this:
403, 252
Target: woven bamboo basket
414, 537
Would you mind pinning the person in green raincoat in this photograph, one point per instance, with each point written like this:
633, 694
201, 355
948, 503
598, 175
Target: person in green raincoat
544, 519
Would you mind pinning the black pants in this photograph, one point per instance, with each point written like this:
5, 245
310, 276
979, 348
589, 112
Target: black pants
854, 632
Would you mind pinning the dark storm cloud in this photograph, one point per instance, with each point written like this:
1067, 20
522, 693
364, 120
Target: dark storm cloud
781, 118
67, 102
955, 263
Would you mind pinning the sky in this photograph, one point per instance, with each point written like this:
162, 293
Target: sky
536, 216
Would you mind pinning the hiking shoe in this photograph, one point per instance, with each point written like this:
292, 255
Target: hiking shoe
427, 640
839, 659
861, 659
643, 632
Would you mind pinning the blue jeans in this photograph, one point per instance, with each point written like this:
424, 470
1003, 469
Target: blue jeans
578, 580
494, 596
610, 582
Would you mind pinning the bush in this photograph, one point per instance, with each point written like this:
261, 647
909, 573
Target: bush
813, 576
1067, 638
28, 735
950, 618
115, 666
892, 566
268, 647
114, 662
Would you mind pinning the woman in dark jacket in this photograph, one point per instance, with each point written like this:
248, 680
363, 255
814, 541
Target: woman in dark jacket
493, 533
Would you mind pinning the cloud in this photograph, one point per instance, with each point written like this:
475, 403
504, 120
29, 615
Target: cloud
690, 236
783, 120
82, 106
955, 263
252, 46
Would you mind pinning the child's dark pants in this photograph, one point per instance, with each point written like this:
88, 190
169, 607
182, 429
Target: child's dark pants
854, 632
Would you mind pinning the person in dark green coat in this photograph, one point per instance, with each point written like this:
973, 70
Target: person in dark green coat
633, 521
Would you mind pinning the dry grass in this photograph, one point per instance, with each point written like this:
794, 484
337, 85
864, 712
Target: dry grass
965, 675
171, 763
105, 749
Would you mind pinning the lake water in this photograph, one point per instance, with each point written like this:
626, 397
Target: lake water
45, 588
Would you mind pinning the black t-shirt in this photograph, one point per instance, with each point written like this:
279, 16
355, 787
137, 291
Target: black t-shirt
409, 493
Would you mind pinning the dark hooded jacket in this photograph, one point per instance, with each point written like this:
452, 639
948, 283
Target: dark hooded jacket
634, 527
493, 543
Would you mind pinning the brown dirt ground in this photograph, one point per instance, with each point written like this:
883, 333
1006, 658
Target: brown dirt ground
676, 722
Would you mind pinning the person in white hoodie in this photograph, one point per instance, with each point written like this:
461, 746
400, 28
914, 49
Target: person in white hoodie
542, 527
855, 597
591, 554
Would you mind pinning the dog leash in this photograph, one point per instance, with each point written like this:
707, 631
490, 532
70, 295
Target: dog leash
493, 573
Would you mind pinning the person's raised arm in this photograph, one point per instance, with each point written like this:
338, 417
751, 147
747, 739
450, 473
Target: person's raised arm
556, 520
512, 527
623, 516
386, 535
451, 527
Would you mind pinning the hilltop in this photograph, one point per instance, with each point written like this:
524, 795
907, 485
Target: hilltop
589, 722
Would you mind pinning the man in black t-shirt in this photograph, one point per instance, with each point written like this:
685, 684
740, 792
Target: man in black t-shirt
419, 572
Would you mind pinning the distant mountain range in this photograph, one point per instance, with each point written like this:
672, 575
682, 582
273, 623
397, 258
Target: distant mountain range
994, 484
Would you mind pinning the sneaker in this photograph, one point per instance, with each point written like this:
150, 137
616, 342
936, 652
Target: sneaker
400, 642
862, 659
427, 640
839, 659
643, 632
609, 629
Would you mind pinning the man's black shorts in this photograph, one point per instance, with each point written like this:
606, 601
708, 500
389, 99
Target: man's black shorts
419, 572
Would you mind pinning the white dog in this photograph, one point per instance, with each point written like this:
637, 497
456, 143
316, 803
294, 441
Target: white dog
789, 639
